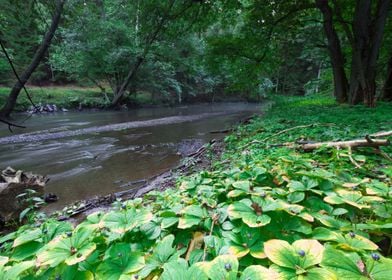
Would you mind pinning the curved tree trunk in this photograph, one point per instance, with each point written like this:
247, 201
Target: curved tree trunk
38, 56
335, 52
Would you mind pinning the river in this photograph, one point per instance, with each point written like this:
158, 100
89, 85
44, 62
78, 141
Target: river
86, 154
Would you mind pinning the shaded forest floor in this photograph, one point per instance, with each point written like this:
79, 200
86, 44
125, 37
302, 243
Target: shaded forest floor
260, 200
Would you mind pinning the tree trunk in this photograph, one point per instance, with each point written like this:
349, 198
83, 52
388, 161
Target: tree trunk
368, 35
131, 74
335, 52
38, 56
387, 91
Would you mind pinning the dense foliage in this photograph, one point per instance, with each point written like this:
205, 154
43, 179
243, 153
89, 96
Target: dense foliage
199, 50
262, 212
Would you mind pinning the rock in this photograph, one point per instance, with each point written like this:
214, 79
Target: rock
50, 197
14, 183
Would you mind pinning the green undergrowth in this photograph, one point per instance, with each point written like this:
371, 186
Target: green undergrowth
264, 211
66, 97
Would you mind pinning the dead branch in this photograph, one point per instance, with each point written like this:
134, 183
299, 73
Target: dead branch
382, 134
375, 143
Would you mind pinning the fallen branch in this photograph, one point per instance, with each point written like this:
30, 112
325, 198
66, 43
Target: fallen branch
262, 142
375, 143
381, 134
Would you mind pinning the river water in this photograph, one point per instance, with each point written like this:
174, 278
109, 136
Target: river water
86, 154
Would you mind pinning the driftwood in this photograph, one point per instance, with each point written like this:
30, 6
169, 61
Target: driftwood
375, 143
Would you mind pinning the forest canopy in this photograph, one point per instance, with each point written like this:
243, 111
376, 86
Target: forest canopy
186, 50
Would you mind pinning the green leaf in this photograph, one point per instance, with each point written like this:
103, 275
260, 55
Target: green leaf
197, 271
242, 185
258, 272
313, 252
192, 215
26, 250
296, 186
70, 250
175, 270
296, 197
119, 261
342, 265
17, 269
302, 253
125, 221
152, 230
72, 273
164, 250
281, 253
224, 267
27, 236
240, 210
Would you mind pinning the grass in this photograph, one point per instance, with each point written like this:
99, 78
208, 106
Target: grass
71, 96
67, 97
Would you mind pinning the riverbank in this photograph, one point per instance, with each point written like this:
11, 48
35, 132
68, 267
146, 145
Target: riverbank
264, 198
72, 97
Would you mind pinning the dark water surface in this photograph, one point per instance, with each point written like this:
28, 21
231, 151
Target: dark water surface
94, 153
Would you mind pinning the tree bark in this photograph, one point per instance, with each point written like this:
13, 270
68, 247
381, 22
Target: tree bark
335, 52
368, 35
387, 90
38, 56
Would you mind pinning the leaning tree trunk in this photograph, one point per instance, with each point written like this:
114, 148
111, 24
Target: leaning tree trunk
387, 90
38, 56
335, 52
368, 35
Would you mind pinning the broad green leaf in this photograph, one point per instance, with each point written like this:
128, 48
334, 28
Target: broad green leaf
250, 216
197, 271
313, 252
165, 249
16, 270
281, 253
26, 250
72, 273
192, 215
27, 236
342, 265
296, 197
379, 270
296, 186
224, 267
70, 250
124, 221
175, 270
258, 272
152, 230
119, 261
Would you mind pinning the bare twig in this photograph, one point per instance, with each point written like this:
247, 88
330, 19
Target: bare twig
16, 75
350, 156
10, 124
